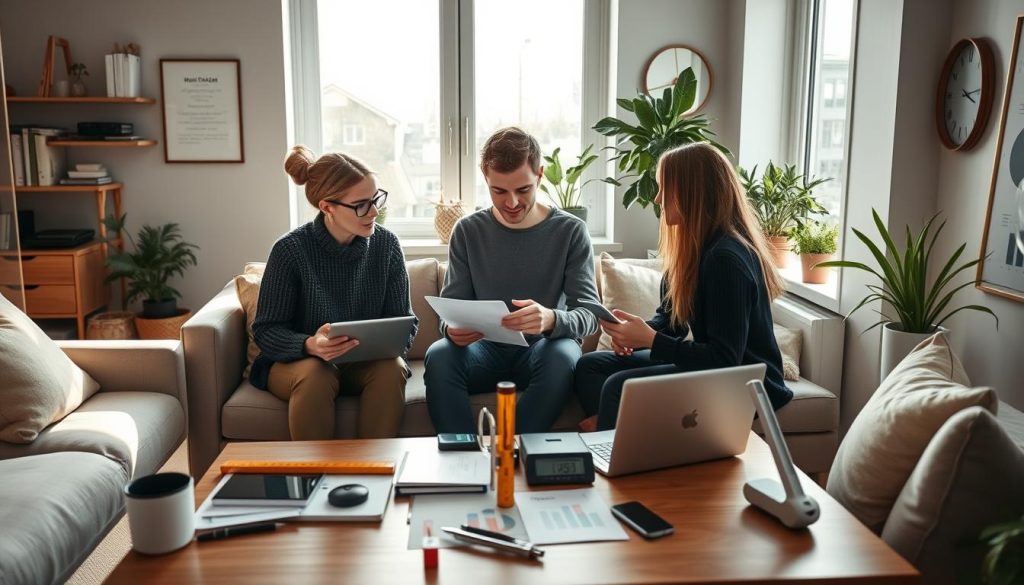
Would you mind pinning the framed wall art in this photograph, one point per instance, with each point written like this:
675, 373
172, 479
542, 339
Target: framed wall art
202, 110
1001, 271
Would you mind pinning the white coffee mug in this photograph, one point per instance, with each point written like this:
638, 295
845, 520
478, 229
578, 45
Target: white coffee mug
61, 88
161, 512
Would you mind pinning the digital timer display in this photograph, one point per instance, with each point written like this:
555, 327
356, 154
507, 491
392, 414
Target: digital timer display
548, 467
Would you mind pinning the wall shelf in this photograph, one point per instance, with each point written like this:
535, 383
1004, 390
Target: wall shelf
67, 188
79, 100
103, 143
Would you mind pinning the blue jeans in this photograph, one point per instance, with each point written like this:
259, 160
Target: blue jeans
600, 376
543, 371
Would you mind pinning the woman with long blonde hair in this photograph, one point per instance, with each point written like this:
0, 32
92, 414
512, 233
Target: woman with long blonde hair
718, 285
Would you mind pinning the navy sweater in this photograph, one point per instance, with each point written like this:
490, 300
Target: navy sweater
731, 320
311, 279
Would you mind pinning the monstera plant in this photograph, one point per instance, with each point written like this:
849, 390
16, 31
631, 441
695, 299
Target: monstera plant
661, 125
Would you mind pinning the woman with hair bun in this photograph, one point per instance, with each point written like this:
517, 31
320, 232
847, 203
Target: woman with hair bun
339, 267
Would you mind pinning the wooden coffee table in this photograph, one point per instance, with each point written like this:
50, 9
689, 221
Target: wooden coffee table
718, 537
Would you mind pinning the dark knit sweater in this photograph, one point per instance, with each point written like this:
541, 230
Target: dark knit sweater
551, 263
731, 321
311, 279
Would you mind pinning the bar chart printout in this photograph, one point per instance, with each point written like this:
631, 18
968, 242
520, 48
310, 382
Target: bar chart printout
561, 516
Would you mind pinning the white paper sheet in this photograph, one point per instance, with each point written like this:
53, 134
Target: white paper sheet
479, 510
560, 516
482, 316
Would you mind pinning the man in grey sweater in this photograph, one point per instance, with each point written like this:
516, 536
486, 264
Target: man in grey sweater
539, 261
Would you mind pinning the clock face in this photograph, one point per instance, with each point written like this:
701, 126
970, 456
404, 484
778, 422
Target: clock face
963, 95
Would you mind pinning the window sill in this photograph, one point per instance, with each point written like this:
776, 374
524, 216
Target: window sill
433, 248
824, 295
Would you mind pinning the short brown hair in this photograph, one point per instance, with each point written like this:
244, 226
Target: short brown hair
507, 149
326, 176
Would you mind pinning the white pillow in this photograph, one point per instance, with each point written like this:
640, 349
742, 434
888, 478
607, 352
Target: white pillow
39, 384
790, 343
889, 435
631, 285
970, 476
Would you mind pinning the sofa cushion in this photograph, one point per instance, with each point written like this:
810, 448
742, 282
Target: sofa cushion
255, 415
970, 476
247, 287
889, 435
57, 511
630, 285
813, 409
790, 342
39, 384
423, 281
138, 430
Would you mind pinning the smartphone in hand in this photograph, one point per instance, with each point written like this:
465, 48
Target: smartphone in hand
641, 519
599, 311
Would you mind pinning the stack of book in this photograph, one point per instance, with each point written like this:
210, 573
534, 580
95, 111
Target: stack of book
87, 174
35, 161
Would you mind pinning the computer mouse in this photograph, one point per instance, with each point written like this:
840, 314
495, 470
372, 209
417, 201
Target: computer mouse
348, 495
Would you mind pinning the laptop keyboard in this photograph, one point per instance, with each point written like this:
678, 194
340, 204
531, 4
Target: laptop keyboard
602, 450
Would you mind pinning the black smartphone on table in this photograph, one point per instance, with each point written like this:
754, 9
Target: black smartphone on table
641, 519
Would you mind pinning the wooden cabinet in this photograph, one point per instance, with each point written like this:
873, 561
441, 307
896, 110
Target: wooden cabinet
66, 283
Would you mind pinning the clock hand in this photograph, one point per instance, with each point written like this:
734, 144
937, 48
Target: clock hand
975, 91
967, 95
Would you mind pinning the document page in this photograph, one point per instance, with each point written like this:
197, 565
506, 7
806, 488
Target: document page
482, 316
558, 516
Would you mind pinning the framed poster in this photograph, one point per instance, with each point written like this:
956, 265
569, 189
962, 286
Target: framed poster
202, 106
1001, 270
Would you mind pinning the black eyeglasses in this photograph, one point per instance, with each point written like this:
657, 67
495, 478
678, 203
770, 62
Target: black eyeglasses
379, 199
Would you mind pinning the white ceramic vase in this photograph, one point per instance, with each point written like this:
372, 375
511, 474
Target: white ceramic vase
896, 345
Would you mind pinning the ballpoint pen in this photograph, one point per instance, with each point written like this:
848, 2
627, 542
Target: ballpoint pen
495, 540
236, 531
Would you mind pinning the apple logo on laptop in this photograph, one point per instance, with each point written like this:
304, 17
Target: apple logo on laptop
690, 420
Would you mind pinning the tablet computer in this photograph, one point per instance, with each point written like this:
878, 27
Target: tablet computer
379, 339
260, 489
599, 310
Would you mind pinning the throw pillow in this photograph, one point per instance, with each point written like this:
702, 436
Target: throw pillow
889, 435
790, 342
247, 286
39, 384
631, 285
971, 476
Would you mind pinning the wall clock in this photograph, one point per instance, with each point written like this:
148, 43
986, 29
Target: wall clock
964, 96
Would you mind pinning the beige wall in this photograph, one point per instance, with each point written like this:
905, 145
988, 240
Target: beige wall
991, 357
234, 212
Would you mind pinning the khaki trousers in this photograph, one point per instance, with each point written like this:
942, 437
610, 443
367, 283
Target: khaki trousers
310, 386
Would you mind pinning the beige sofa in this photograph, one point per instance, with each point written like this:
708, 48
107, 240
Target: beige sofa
225, 407
63, 491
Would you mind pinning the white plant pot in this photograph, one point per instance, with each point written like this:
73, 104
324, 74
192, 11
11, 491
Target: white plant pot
896, 345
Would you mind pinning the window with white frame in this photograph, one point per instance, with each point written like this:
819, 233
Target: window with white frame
414, 88
821, 148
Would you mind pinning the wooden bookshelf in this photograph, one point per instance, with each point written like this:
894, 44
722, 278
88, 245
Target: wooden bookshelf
79, 100
103, 143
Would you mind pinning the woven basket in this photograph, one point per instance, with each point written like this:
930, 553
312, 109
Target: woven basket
445, 216
112, 325
169, 328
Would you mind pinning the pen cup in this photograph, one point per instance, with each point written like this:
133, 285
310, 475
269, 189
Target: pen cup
161, 512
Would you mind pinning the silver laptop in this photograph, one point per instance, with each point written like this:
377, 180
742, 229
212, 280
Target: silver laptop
677, 419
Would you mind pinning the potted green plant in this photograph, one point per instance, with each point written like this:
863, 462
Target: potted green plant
158, 254
661, 125
782, 199
815, 242
914, 306
1004, 561
564, 181
78, 71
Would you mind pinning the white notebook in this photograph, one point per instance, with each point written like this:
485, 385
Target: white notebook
444, 472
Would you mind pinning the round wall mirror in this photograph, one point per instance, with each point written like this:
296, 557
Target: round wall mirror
667, 63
